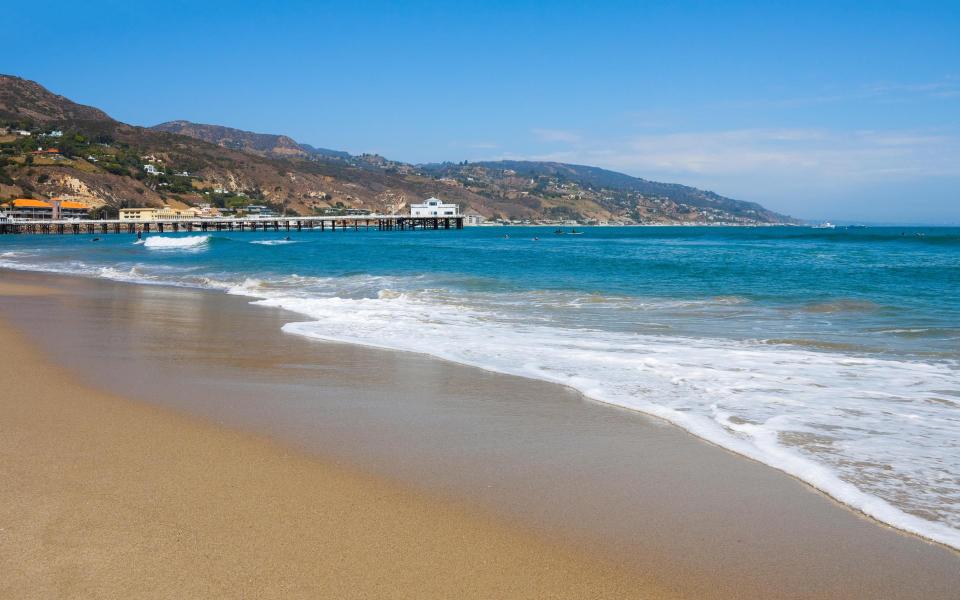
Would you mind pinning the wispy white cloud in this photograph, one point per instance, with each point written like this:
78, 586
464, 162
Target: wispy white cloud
793, 153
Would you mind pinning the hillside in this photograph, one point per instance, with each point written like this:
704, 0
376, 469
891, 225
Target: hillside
264, 144
104, 161
28, 101
638, 199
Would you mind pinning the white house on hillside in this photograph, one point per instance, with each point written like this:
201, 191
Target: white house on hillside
434, 207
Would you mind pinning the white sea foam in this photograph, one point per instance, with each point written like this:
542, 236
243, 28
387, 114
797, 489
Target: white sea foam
170, 243
273, 242
880, 435
133, 274
872, 433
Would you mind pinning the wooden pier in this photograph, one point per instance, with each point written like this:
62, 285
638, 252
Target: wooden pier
342, 223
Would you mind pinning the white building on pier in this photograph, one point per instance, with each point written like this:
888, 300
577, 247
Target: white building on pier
434, 207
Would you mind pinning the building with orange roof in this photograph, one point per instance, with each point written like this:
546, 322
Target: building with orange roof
69, 209
28, 208
32, 209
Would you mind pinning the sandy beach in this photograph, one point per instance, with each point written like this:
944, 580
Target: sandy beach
106, 498
138, 462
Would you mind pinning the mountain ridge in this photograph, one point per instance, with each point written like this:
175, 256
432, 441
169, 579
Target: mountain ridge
103, 159
264, 144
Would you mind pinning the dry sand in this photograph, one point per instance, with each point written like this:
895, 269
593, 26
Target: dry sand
101, 497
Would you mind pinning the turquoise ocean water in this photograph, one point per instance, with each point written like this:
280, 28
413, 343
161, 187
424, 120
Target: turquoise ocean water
833, 355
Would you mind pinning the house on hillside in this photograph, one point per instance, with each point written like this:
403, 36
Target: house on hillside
151, 170
434, 207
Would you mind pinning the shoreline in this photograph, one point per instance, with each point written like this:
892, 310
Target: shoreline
877, 504
750, 473
107, 497
832, 487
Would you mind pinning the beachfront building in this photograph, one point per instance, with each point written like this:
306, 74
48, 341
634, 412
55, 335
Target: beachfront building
138, 214
260, 211
208, 211
69, 209
158, 214
472, 218
30, 209
434, 207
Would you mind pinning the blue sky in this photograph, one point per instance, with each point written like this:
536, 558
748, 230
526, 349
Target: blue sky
844, 111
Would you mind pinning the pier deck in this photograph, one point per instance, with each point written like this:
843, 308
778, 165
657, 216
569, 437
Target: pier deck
333, 223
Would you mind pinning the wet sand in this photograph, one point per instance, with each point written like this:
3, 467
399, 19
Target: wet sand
637, 497
106, 498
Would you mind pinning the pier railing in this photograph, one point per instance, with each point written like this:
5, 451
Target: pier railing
332, 223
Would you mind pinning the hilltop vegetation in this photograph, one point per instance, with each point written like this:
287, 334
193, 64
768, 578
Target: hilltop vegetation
112, 165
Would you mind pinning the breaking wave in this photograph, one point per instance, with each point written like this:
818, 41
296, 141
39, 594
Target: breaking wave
174, 243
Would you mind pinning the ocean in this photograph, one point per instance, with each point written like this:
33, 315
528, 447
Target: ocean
833, 355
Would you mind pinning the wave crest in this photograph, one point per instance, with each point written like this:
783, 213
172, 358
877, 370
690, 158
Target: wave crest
173, 243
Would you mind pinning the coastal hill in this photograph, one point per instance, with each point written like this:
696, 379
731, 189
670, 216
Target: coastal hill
51, 146
264, 144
